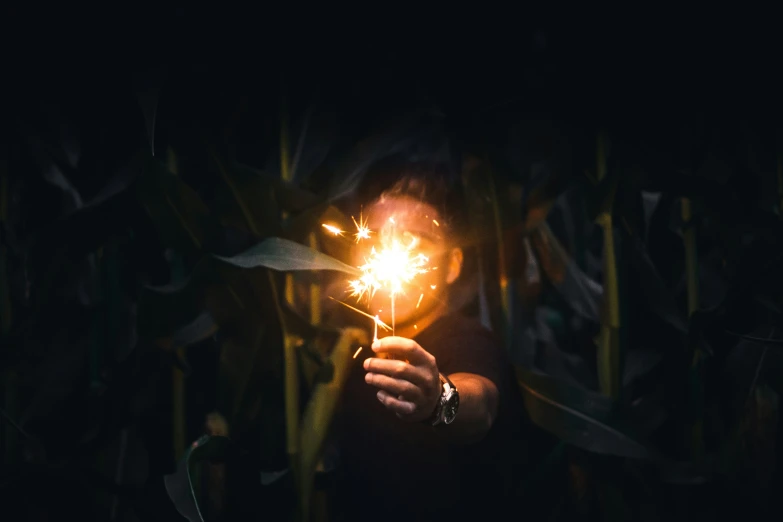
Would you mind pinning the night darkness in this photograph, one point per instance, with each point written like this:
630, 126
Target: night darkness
136, 147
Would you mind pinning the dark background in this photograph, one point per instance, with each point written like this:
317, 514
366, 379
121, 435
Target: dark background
650, 79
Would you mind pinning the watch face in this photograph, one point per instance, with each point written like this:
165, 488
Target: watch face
451, 407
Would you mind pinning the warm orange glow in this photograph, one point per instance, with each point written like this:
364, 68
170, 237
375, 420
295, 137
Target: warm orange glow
376, 318
362, 231
390, 268
436, 222
420, 298
333, 229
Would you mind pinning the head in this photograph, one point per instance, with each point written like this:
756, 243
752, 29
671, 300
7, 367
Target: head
419, 211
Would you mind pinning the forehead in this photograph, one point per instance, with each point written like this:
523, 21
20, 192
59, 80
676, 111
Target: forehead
405, 213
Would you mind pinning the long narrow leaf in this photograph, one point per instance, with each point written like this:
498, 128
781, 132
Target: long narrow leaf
179, 485
582, 293
578, 417
387, 142
284, 255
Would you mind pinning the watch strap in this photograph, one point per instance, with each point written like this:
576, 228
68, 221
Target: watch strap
437, 414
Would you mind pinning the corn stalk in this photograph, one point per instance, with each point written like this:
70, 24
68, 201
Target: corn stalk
319, 412
505, 289
609, 357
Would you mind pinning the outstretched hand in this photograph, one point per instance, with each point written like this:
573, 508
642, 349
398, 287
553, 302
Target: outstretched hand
408, 384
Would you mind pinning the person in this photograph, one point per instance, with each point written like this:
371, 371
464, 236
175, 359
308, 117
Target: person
409, 449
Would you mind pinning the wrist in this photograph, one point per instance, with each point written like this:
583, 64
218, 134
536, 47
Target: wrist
447, 404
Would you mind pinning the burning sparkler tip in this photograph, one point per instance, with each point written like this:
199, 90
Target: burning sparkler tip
333, 229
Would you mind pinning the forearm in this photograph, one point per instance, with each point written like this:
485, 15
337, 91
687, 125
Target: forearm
478, 405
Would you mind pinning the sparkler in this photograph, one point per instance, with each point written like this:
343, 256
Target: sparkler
390, 267
375, 319
362, 231
333, 229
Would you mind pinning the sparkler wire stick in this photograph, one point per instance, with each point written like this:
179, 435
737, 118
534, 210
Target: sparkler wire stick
392, 303
391, 267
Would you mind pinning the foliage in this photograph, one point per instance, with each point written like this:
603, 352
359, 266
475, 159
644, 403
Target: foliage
637, 296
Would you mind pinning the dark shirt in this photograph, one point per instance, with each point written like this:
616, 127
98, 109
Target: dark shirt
392, 469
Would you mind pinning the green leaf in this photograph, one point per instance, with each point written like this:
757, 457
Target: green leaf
247, 198
164, 310
182, 219
659, 298
387, 141
202, 327
580, 292
179, 485
580, 417
284, 255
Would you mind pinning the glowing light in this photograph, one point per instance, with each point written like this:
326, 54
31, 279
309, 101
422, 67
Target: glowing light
415, 327
389, 268
333, 229
357, 352
420, 298
362, 231
433, 286
376, 318
436, 222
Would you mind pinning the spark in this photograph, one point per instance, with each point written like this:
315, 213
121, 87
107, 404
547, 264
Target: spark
415, 327
420, 298
433, 286
436, 222
362, 231
333, 229
376, 318
390, 268
357, 352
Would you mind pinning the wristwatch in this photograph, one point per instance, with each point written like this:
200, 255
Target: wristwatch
448, 403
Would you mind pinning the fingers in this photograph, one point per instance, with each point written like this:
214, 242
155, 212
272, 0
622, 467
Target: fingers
399, 406
396, 369
396, 387
405, 348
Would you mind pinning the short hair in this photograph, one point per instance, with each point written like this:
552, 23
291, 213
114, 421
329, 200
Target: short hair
433, 183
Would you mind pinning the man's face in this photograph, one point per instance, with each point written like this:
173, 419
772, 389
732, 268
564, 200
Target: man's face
408, 220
